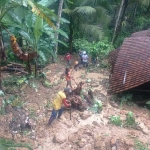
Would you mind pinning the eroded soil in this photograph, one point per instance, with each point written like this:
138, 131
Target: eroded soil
85, 130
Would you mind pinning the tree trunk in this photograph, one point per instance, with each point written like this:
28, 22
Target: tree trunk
133, 18
71, 34
58, 26
119, 20
1, 50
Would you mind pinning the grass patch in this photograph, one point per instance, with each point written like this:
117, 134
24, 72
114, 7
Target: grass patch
6, 144
140, 145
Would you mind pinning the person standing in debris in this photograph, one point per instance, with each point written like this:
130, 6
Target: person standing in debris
57, 104
68, 77
80, 56
68, 59
85, 59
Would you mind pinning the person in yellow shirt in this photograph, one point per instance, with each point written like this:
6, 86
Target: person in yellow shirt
57, 103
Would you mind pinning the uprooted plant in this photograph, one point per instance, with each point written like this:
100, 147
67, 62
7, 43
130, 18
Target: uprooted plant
130, 120
115, 120
96, 107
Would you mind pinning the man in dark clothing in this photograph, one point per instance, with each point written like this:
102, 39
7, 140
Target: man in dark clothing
80, 55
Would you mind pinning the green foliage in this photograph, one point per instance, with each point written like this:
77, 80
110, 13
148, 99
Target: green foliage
90, 26
14, 81
142, 22
34, 27
97, 107
126, 99
130, 120
148, 103
7, 144
141, 146
1, 93
32, 113
115, 120
19, 81
100, 49
47, 84
48, 104
14, 101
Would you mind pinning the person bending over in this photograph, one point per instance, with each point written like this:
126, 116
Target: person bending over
57, 103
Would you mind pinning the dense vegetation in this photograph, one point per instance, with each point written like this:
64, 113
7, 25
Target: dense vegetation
95, 26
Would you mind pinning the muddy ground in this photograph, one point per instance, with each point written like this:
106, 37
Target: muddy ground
86, 130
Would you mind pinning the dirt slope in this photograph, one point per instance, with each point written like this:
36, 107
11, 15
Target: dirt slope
86, 130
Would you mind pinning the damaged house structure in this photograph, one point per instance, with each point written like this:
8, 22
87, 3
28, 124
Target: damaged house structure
130, 63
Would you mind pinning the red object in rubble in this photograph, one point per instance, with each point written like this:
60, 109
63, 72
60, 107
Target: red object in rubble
68, 56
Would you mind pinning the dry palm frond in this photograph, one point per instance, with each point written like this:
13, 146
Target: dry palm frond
84, 10
42, 12
102, 14
67, 11
94, 30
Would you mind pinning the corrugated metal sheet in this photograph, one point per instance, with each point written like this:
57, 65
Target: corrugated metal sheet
141, 34
112, 58
130, 64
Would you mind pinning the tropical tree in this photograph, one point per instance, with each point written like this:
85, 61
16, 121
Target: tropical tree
41, 12
121, 19
86, 17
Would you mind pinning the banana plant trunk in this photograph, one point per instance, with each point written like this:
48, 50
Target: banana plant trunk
58, 26
119, 20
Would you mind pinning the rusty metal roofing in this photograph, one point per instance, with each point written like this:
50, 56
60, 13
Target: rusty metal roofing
112, 58
141, 34
130, 64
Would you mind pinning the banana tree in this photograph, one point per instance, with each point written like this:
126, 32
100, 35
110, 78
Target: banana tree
40, 11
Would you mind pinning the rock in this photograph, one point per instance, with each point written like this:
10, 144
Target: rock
113, 141
123, 117
85, 115
113, 104
94, 85
60, 137
129, 143
123, 112
73, 137
130, 148
114, 148
96, 124
66, 146
82, 143
69, 123
87, 147
99, 145
143, 128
